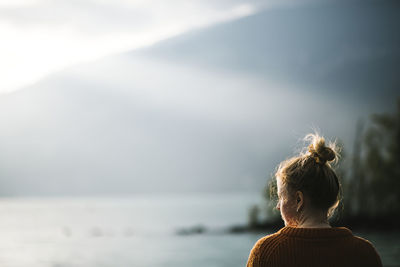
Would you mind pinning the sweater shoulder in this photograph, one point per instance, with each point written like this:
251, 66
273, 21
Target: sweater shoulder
269, 241
363, 244
362, 241
367, 250
263, 248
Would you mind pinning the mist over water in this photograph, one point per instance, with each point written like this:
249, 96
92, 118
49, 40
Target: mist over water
137, 231
134, 231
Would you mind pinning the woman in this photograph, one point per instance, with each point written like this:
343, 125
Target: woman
308, 193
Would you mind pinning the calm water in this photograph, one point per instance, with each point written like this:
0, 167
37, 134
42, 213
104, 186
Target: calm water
136, 231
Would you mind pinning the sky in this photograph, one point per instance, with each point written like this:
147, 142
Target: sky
213, 107
39, 37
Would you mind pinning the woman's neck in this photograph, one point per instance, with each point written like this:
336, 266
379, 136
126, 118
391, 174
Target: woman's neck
314, 225
312, 220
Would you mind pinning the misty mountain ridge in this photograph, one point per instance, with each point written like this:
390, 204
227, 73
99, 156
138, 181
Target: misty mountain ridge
334, 46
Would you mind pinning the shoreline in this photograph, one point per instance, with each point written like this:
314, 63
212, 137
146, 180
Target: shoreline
355, 224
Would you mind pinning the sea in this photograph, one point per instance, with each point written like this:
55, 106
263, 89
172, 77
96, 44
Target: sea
150, 230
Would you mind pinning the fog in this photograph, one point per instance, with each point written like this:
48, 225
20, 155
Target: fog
212, 110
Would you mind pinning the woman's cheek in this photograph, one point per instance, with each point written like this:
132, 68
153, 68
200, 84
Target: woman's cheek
288, 213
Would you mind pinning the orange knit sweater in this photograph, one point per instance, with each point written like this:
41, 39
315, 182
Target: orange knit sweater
310, 247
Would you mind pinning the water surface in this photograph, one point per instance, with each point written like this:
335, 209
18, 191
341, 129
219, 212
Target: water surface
137, 231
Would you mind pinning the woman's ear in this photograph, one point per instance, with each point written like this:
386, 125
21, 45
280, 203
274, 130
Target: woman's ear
299, 201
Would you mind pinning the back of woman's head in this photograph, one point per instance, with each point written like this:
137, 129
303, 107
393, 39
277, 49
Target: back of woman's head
312, 174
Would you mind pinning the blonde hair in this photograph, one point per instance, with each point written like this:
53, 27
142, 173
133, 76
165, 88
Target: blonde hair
312, 174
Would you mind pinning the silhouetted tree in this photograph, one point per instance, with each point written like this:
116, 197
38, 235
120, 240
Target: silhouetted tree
356, 186
382, 164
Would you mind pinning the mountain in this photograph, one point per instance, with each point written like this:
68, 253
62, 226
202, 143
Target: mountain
212, 110
336, 46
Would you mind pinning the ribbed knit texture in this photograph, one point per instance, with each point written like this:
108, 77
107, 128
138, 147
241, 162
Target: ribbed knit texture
310, 247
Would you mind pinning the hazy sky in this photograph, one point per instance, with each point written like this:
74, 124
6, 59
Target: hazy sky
39, 37
213, 109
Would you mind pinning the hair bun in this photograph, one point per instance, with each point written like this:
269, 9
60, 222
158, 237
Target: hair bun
319, 150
